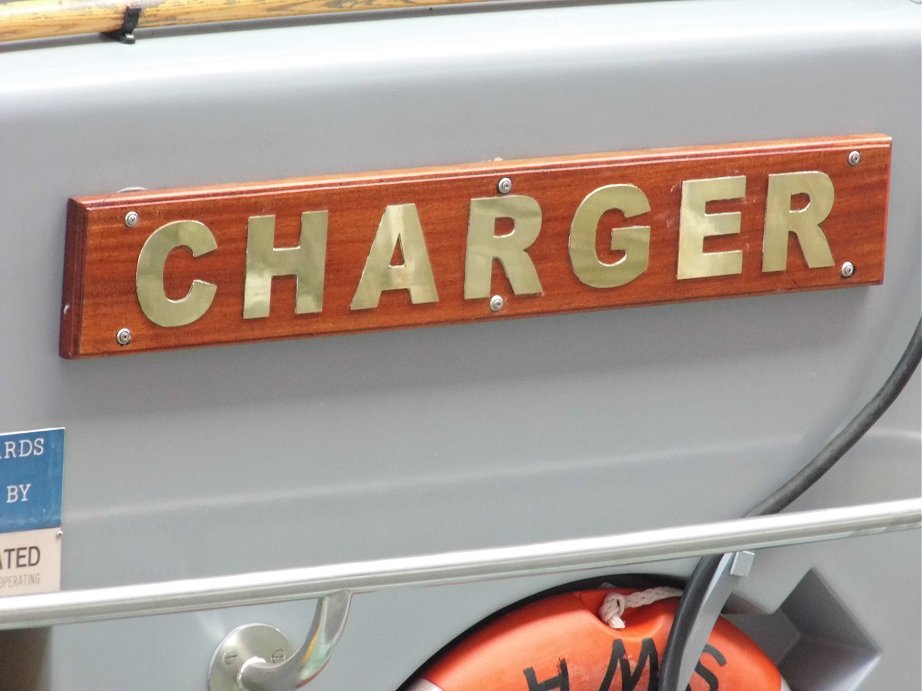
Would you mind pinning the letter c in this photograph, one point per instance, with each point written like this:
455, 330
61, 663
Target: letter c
154, 302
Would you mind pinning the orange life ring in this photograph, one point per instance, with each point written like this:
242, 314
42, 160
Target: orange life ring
560, 644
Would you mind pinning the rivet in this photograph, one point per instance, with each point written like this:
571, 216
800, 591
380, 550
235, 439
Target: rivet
123, 337
854, 158
131, 219
504, 186
848, 270
496, 303
278, 656
59, 534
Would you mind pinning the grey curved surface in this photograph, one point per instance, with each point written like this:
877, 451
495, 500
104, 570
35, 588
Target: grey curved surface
385, 444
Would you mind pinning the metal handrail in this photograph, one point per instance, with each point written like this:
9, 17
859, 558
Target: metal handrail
458, 567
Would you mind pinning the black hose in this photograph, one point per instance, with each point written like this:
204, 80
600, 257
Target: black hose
695, 590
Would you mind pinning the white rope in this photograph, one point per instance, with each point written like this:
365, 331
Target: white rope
615, 603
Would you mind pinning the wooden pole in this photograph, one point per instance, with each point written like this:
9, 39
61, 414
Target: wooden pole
29, 19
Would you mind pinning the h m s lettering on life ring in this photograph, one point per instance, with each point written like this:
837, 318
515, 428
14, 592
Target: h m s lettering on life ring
560, 643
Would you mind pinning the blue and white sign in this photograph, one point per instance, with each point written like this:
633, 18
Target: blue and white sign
31, 474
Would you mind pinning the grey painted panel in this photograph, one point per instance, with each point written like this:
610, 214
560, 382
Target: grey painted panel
262, 456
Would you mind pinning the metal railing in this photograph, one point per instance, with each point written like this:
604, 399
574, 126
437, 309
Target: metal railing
458, 567
239, 662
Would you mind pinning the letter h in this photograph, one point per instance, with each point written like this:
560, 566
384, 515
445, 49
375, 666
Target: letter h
559, 683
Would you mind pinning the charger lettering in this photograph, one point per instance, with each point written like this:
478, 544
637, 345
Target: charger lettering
401, 231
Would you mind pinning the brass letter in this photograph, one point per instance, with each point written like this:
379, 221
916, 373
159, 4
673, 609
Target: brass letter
156, 306
634, 241
306, 262
780, 219
483, 246
695, 224
399, 224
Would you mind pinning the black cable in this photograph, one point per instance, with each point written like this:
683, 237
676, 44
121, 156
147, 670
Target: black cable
696, 588
849, 435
